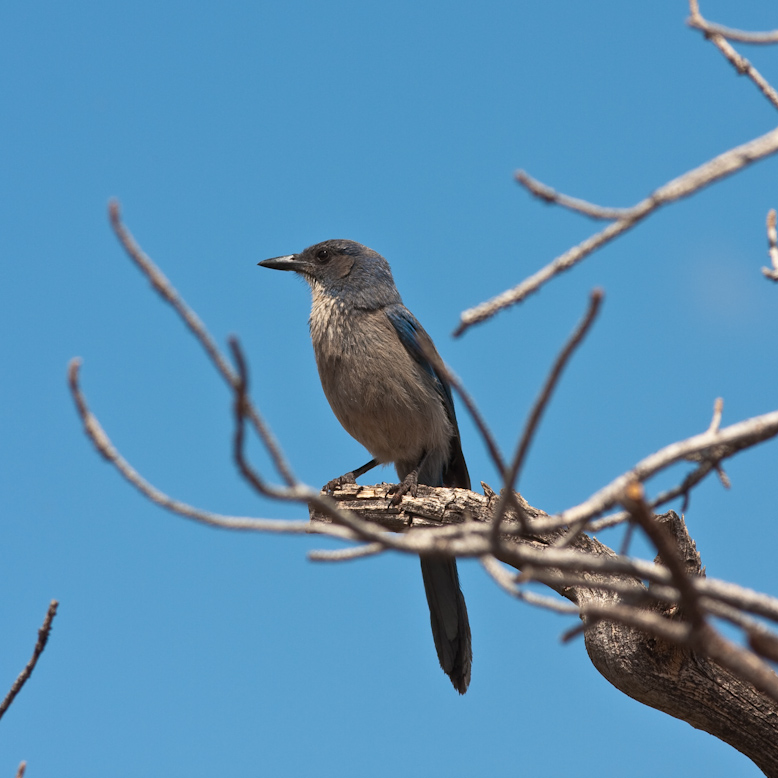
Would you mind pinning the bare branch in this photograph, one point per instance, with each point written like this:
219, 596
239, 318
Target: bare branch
763, 642
43, 638
507, 582
201, 334
511, 477
575, 340
695, 635
639, 618
297, 492
545, 192
696, 20
346, 554
106, 449
241, 406
718, 38
682, 490
475, 415
535, 555
772, 243
480, 422
689, 183
716, 446
718, 409
735, 616
667, 550
20, 771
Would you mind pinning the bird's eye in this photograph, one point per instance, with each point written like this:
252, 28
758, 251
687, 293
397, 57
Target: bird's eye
323, 255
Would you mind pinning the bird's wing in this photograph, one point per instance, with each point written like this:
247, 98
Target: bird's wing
421, 348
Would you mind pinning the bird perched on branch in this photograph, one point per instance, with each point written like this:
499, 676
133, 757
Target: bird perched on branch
386, 384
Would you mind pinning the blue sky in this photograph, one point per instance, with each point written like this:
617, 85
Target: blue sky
241, 131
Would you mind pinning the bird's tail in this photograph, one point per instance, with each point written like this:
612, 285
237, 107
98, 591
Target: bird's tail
448, 616
448, 612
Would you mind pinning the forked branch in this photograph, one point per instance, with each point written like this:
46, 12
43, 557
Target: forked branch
624, 219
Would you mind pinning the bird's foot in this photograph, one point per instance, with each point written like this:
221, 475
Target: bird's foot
340, 481
409, 485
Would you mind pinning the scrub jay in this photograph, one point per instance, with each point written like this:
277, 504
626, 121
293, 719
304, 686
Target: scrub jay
381, 375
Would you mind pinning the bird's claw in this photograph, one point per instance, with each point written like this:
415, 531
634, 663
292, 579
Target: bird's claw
337, 483
409, 485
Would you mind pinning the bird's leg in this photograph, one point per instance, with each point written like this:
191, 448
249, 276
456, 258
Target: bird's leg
349, 478
409, 484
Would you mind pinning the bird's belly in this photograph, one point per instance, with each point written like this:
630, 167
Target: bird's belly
388, 414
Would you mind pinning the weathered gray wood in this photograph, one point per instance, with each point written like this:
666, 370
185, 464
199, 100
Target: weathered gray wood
674, 680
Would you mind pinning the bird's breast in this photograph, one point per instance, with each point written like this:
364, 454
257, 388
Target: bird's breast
376, 389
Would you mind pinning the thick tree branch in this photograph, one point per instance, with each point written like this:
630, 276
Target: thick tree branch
652, 653
462, 520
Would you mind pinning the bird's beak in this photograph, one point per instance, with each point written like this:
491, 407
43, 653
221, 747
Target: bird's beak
289, 262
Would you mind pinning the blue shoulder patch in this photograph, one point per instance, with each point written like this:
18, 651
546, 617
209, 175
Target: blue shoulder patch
411, 335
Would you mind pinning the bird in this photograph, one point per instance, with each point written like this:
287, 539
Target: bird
386, 384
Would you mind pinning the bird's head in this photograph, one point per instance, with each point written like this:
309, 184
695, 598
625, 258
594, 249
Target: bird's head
345, 269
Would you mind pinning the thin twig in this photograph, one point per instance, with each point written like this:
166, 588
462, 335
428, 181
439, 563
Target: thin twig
20, 771
718, 446
689, 183
627, 539
718, 38
476, 416
550, 195
197, 328
483, 428
40, 644
772, 246
681, 490
346, 554
741, 36
106, 449
507, 582
723, 477
718, 409
735, 616
575, 631
297, 492
740, 597
629, 588
540, 404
